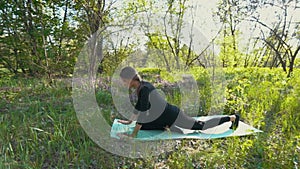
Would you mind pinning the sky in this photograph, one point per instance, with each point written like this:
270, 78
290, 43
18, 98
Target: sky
203, 17
209, 27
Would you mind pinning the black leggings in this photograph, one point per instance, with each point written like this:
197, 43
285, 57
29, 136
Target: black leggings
187, 122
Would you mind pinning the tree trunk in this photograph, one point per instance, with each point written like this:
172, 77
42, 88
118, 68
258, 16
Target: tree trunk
95, 16
28, 21
292, 62
62, 29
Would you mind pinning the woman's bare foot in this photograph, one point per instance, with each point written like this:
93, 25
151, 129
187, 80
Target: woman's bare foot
235, 121
232, 117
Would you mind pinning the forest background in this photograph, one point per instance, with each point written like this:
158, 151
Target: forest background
255, 43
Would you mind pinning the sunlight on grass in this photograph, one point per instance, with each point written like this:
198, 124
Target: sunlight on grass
39, 127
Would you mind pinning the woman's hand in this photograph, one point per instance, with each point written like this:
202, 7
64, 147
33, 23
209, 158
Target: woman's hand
125, 136
132, 135
126, 122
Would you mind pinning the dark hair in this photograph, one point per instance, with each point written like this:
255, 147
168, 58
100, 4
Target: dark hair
130, 73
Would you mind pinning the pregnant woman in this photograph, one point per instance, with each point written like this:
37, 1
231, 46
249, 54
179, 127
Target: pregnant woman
153, 112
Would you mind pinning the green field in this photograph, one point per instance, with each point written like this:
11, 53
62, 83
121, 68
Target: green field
39, 127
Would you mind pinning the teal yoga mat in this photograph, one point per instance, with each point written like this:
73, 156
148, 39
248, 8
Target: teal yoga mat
220, 131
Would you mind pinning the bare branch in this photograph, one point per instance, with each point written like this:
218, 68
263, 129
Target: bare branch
209, 44
272, 30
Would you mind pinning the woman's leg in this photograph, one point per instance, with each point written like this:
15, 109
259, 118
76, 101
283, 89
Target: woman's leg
184, 121
187, 122
152, 127
174, 128
213, 122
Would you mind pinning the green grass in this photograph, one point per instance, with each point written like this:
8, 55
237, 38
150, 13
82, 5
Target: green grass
39, 127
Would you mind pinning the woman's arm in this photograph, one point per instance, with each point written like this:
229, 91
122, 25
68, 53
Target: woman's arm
143, 103
133, 134
136, 130
132, 118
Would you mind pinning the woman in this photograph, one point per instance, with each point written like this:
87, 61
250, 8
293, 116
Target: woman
153, 112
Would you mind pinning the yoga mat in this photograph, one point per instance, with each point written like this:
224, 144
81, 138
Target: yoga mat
220, 131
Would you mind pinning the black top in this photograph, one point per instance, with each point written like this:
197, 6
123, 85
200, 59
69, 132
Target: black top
154, 111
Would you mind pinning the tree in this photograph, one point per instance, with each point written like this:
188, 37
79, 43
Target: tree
230, 55
281, 36
35, 39
174, 18
162, 23
231, 13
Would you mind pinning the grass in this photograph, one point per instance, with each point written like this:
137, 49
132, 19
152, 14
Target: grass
39, 128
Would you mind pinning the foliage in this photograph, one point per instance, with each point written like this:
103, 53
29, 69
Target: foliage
40, 40
230, 55
35, 40
281, 35
149, 73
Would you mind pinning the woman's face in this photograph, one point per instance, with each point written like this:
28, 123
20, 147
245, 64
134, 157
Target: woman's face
126, 82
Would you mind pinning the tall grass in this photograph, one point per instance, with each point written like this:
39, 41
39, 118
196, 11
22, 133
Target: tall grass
39, 128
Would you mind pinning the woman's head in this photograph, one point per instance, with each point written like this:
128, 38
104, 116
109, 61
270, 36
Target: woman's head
129, 76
